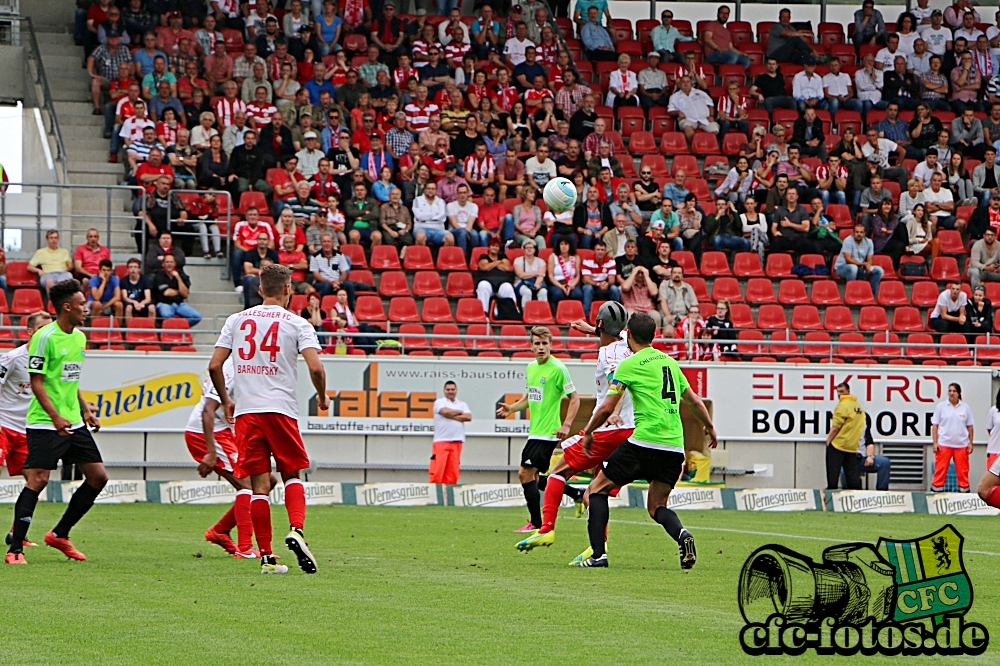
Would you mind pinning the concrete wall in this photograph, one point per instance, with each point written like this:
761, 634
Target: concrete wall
12, 64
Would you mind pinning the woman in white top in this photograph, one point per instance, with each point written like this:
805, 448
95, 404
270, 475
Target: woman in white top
623, 87
204, 131
737, 184
920, 230
913, 195
530, 271
564, 272
952, 431
755, 228
906, 28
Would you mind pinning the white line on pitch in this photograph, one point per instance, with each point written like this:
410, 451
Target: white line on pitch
780, 535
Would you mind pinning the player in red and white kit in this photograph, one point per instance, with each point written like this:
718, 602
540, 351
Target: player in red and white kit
15, 396
611, 321
267, 340
210, 441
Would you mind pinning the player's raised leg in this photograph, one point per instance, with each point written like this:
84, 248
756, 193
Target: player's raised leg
989, 485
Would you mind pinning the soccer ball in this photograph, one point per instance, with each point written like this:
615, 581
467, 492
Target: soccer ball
559, 195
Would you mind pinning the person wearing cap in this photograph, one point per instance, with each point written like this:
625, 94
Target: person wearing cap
597, 40
310, 155
170, 36
373, 160
485, 32
718, 43
936, 35
869, 26
665, 36
114, 22
399, 138
388, 34
102, 66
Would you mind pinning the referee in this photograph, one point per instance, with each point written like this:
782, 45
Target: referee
57, 423
655, 451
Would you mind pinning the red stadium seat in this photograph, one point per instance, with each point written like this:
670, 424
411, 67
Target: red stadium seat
825, 292
779, 265
741, 315
518, 335
364, 276
859, 292
813, 260
656, 163
26, 301
445, 343
18, 275
838, 318
426, 283
750, 343
674, 143
747, 264
458, 285
951, 241
924, 294
140, 330
108, 337
714, 264
687, 162
403, 309
4, 308
478, 336
731, 143
700, 288
771, 316
892, 293
580, 341
686, 261
841, 215
704, 143
417, 338
987, 351
538, 312
469, 311
910, 259
385, 258
792, 292
356, 255
178, 334
418, 258
954, 346
436, 310
817, 343
945, 269
886, 345
806, 318
450, 258
784, 343
907, 319
631, 119
659, 121
852, 345
727, 288
369, 309
872, 318
569, 311
394, 283
255, 199
760, 291
642, 143
921, 346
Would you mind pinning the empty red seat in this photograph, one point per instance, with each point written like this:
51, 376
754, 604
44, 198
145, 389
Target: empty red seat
110, 336
779, 266
478, 336
750, 343
450, 258
425, 283
175, 332
715, 264
418, 258
783, 343
413, 336
458, 285
886, 345
892, 293
920, 345
4, 308
825, 292
403, 309
806, 318
760, 290
924, 294
813, 260
907, 319
517, 337
641, 143
792, 292
954, 346
438, 342
19, 276
469, 311
436, 310
385, 258
987, 351
686, 261
538, 312
838, 318
704, 143
26, 301
817, 343
727, 288
369, 308
394, 283
687, 163
852, 345
771, 316
741, 315
945, 269
872, 318
138, 330
656, 163
674, 143
951, 241
355, 255
747, 264
699, 286
859, 292
569, 311
731, 143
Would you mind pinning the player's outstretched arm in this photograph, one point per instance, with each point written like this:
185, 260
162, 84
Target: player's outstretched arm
219, 357
318, 376
505, 410
698, 405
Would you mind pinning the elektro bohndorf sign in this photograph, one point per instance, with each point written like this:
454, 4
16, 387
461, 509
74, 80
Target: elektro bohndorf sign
395, 396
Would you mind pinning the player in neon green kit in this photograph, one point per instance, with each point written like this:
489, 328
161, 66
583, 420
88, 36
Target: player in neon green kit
547, 381
655, 451
57, 422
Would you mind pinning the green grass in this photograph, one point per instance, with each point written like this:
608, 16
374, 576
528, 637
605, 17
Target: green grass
418, 586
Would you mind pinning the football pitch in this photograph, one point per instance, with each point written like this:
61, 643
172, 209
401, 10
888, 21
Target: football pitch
424, 586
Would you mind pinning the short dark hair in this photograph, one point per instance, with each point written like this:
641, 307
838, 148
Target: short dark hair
603, 244
133, 260
847, 387
642, 328
451, 383
106, 263
61, 292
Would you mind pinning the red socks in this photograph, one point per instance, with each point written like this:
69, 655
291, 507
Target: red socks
260, 513
226, 523
244, 523
295, 503
550, 502
993, 497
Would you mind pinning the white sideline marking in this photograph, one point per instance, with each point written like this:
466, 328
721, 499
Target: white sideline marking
779, 535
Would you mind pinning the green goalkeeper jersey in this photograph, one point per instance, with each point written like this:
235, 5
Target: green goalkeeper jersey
656, 384
58, 356
546, 385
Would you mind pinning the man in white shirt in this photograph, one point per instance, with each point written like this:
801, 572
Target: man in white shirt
807, 87
880, 149
887, 55
462, 216
838, 89
450, 417
928, 167
693, 109
936, 35
993, 34
940, 203
429, 216
968, 29
539, 169
514, 48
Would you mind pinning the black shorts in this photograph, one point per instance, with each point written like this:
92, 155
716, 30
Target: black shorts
537, 453
47, 447
630, 462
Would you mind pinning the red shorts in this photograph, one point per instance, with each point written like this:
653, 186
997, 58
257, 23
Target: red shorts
260, 436
604, 444
225, 450
13, 450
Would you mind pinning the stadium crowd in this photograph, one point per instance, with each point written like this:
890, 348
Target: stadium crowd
344, 130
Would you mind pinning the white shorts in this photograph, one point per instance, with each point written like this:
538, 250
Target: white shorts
995, 467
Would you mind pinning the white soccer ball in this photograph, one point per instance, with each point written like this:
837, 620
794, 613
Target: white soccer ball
559, 195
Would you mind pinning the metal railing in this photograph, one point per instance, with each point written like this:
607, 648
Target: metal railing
48, 105
226, 238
